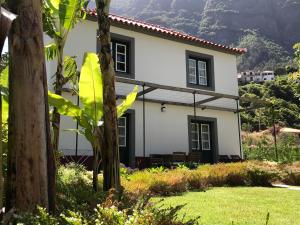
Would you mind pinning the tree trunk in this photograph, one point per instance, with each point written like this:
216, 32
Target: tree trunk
27, 184
6, 19
97, 147
110, 150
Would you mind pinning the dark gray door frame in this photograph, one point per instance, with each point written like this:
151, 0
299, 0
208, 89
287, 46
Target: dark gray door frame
214, 133
131, 147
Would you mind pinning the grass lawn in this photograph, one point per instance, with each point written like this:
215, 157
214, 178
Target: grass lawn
241, 205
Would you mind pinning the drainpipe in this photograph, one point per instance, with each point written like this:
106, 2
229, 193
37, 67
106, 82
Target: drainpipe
144, 131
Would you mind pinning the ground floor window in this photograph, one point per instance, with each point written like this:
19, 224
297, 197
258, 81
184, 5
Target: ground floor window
200, 136
122, 131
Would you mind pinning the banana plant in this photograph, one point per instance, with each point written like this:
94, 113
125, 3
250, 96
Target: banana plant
89, 116
59, 18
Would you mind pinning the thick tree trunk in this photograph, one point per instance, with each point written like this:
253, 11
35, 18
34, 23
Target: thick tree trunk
28, 135
6, 19
110, 151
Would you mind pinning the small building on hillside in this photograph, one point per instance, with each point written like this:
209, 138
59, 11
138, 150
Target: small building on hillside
255, 76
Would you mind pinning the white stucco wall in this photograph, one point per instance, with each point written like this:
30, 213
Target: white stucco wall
160, 61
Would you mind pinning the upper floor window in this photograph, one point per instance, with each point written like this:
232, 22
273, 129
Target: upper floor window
120, 56
123, 54
200, 71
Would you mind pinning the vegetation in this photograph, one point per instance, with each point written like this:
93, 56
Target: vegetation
284, 93
90, 116
59, 18
76, 200
240, 205
260, 146
110, 144
30, 163
262, 53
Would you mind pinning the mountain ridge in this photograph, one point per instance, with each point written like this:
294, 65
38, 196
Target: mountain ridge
267, 28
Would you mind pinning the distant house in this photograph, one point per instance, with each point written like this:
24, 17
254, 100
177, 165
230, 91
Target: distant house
255, 76
188, 91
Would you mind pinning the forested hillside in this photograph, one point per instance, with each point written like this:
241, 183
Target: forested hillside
284, 92
268, 28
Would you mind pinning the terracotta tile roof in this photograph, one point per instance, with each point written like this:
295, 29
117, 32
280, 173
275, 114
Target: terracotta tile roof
168, 32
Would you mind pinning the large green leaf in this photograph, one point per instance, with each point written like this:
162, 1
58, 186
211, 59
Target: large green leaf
127, 103
4, 109
70, 68
4, 81
4, 78
91, 88
64, 106
69, 12
52, 4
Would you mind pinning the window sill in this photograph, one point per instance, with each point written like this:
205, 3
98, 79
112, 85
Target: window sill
126, 75
202, 87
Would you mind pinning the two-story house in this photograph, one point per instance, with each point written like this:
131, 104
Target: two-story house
188, 95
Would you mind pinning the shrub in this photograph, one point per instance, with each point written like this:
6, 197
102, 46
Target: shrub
142, 213
291, 173
231, 174
74, 189
262, 173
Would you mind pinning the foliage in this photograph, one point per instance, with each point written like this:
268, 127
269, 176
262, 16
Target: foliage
74, 190
262, 147
170, 182
59, 18
142, 213
262, 53
91, 96
297, 53
284, 92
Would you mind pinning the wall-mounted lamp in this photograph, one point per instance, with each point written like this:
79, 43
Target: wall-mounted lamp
163, 107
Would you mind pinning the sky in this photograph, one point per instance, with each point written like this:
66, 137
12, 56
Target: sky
5, 48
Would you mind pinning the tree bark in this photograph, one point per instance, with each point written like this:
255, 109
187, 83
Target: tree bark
28, 135
110, 150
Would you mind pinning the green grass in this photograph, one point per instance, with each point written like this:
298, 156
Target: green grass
243, 206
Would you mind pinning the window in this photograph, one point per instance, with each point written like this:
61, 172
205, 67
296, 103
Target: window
205, 137
121, 58
195, 136
192, 71
202, 72
122, 131
200, 142
199, 71
123, 54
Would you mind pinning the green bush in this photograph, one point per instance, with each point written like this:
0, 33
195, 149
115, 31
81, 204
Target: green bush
74, 189
142, 213
288, 149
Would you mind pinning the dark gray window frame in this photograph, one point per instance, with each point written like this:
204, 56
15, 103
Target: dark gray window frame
210, 70
214, 134
131, 44
131, 51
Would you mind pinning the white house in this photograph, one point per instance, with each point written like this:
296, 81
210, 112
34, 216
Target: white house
256, 76
190, 91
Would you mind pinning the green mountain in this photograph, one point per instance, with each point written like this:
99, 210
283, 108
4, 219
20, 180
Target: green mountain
268, 28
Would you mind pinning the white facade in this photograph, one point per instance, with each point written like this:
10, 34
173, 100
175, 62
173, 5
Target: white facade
161, 61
